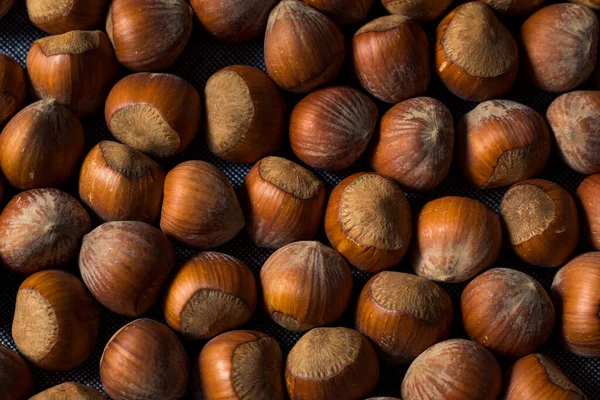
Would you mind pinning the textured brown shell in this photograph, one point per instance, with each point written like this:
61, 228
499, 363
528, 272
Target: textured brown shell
61, 16
13, 88
341, 11
514, 7
587, 194
69, 391
420, 10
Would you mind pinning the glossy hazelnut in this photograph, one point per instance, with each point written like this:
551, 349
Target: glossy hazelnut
414, 143
391, 58
200, 208
304, 49
418, 10
41, 229
245, 114
476, 57
501, 142
158, 114
507, 311
403, 314
56, 320
210, 293
77, 69
588, 193
149, 35
144, 360
456, 369
560, 45
41, 146
305, 284
239, 365
16, 382
514, 8
368, 221
455, 239
119, 183
342, 11
125, 265
331, 363
69, 391
537, 377
5, 6
60, 16
331, 128
13, 88
575, 294
541, 220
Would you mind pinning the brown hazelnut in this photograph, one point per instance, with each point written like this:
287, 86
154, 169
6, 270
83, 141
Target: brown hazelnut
305, 284
476, 57
5, 6
419, 10
391, 58
56, 320
149, 35
501, 142
588, 193
210, 293
41, 229
331, 128
331, 363
200, 209
456, 369
368, 221
455, 239
158, 114
595, 4
383, 398
119, 183
507, 311
342, 11
541, 220
576, 296
538, 377
303, 48
16, 382
69, 391
60, 16
560, 45
13, 88
239, 365
414, 143
144, 360
514, 7
245, 114
41, 146
125, 265
77, 69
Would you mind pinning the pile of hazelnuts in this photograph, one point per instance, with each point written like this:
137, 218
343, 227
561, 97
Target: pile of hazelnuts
128, 266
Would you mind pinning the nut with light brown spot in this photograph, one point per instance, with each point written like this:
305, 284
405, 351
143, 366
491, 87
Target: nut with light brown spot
69, 391
16, 382
514, 7
419, 10
61, 16
13, 87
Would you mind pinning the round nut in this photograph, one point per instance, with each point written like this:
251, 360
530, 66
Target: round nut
62, 16
16, 381
13, 88
587, 194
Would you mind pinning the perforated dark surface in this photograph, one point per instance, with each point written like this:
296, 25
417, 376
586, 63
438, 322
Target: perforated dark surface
201, 59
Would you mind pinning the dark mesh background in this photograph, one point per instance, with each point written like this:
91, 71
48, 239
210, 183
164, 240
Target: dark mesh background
202, 58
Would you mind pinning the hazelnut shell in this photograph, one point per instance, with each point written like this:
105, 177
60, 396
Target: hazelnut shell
341, 11
5, 6
587, 194
60, 16
419, 10
69, 391
13, 87
16, 381
514, 8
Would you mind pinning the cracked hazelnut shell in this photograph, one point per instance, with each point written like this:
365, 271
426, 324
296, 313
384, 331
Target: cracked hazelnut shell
60, 16
69, 391
343, 12
514, 8
419, 10
13, 87
16, 381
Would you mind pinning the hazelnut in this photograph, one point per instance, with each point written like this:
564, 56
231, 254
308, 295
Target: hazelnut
391, 58
69, 391
595, 4
476, 57
144, 360
514, 8
507, 311
13, 88
368, 221
305, 284
60, 16
403, 314
456, 369
418, 10
282, 201
5, 6
77, 69
119, 183
41, 229
200, 209
239, 365
573, 118
576, 296
541, 220
330, 128
588, 193
560, 44
303, 48
149, 35
537, 376
41, 146
158, 114
383, 398
341, 11
331, 363
210, 293
125, 264
56, 320
501, 142
414, 143
455, 239
16, 382
245, 114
